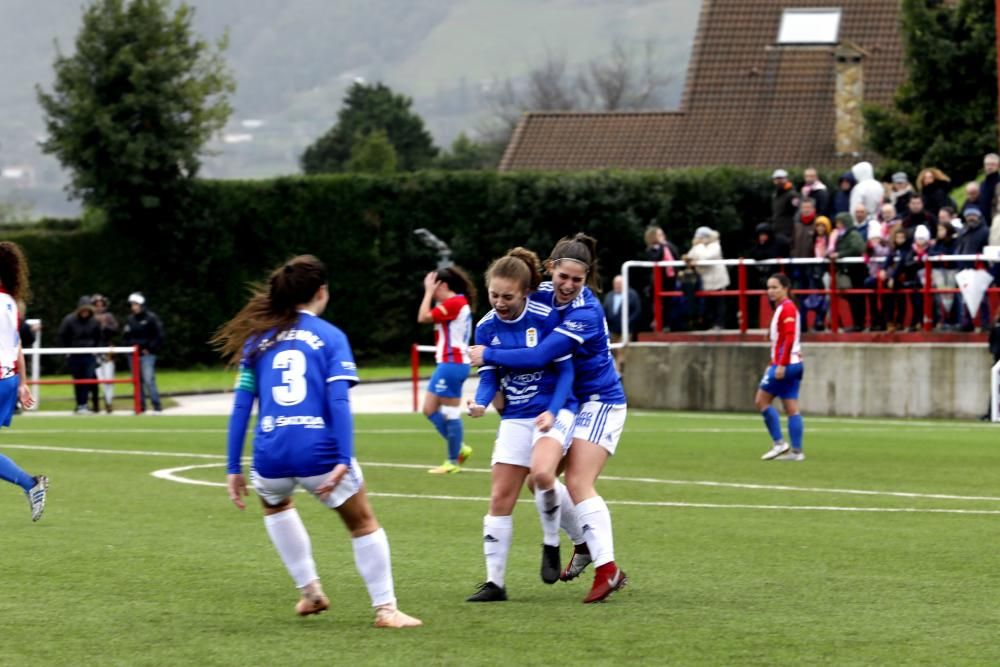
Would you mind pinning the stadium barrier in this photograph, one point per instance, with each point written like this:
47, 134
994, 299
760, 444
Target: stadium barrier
995, 393
835, 294
416, 350
35, 352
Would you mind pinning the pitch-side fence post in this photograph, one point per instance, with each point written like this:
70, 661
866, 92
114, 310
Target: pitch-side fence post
136, 381
415, 372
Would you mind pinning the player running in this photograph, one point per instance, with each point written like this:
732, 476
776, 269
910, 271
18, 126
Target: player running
783, 377
455, 296
13, 378
583, 333
298, 367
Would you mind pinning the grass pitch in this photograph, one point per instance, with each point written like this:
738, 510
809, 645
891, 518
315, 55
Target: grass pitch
880, 548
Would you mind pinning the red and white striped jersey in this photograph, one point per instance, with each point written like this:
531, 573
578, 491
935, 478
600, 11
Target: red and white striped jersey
10, 337
785, 334
452, 330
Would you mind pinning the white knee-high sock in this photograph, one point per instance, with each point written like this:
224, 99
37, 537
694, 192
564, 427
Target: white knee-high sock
371, 556
568, 519
289, 536
596, 522
548, 504
498, 533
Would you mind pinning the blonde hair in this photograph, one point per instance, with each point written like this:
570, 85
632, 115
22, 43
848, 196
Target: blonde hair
519, 265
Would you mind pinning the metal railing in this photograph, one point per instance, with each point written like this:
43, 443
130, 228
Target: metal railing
835, 294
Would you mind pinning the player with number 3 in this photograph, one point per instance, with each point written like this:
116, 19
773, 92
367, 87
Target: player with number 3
298, 368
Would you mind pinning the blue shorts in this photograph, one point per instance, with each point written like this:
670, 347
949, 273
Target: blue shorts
447, 380
786, 388
8, 398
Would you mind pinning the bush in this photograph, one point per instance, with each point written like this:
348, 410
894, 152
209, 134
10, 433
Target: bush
195, 272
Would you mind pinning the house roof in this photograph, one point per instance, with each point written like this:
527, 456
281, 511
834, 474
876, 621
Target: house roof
747, 100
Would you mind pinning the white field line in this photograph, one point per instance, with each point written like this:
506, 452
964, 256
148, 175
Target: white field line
481, 431
171, 474
607, 478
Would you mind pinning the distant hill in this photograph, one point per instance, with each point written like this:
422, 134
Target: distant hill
293, 59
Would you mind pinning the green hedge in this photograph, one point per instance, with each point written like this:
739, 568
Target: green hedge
195, 272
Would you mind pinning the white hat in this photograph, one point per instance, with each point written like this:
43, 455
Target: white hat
703, 232
779, 173
874, 229
136, 297
922, 233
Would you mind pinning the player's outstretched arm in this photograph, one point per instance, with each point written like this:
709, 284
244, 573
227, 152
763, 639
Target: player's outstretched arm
553, 347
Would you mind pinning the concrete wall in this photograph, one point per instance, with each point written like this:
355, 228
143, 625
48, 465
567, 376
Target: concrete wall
888, 379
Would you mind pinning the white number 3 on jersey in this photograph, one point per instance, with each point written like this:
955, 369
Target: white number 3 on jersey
292, 389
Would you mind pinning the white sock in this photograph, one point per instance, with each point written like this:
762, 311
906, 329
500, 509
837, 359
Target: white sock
371, 556
498, 533
548, 504
289, 536
568, 519
595, 518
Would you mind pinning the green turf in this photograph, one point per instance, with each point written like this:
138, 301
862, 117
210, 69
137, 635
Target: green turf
128, 569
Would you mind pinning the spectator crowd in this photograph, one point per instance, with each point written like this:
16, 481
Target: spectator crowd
893, 227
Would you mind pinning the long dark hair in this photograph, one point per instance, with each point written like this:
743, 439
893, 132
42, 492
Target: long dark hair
14, 271
578, 248
519, 265
272, 306
458, 281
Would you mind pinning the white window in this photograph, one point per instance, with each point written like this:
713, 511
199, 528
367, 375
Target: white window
809, 26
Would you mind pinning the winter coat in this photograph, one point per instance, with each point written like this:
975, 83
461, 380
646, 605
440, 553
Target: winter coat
712, 277
144, 330
971, 241
802, 236
819, 193
901, 200
774, 247
850, 243
987, 191
936, 197
842, 199
784, 204
868, 191
76, 331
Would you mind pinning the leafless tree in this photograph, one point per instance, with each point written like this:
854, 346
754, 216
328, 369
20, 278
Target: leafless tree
625, 79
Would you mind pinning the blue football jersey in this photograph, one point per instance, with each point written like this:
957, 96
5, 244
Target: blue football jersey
288, 374
527, 391
583, 320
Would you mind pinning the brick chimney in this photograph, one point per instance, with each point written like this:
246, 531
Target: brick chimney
848, 95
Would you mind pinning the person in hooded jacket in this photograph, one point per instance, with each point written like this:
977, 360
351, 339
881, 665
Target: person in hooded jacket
901, 193
868, 191
842, 199
81, 329
971, 241
943, 274
850, 244
705, 245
